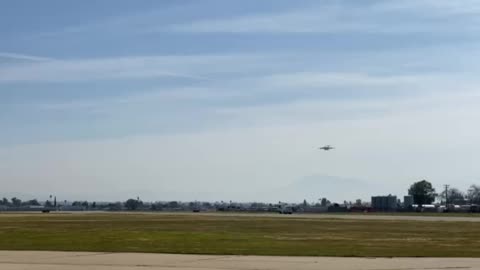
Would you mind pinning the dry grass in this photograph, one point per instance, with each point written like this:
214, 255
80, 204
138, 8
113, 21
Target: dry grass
241, 235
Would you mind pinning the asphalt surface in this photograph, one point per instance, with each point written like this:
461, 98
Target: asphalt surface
397, 217
43, 260
358, 216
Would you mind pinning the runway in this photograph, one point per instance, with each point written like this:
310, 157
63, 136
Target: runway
43, 260
348, 216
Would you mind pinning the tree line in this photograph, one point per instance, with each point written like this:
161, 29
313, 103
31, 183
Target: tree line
423, 192
16, 202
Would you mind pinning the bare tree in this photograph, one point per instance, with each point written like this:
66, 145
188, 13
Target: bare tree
473, 194
453, 195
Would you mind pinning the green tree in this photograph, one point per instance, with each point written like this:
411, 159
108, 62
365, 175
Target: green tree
173, 204
155, 206
4, 202
115, 206
77, 203
33, 202
422, 192
85, 205
325, 202
48, 204
132, 204
16, 202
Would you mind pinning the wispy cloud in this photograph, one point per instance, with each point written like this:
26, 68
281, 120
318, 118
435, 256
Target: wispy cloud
346, 79
151, 97
128, 23
409, 16
305, 111
100, 69
301, 21
281, 148
24, 57
383, 17
388, 82
197, 67
299, 95
436, 7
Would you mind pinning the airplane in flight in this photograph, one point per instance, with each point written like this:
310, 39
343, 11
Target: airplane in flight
326, 148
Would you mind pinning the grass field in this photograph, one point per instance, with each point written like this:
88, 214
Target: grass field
242, 235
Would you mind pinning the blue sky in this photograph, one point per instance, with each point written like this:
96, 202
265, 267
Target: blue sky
87, 88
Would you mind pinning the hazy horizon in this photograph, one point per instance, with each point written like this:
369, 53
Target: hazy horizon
189, 100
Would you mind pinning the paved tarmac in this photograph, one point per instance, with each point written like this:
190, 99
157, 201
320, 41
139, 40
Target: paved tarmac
43, 260
348, 216
475, 218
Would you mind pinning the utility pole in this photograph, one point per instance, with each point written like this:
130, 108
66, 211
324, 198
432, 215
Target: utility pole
446, 195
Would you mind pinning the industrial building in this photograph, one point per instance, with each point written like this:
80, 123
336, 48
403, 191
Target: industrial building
407, 201
384, 203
